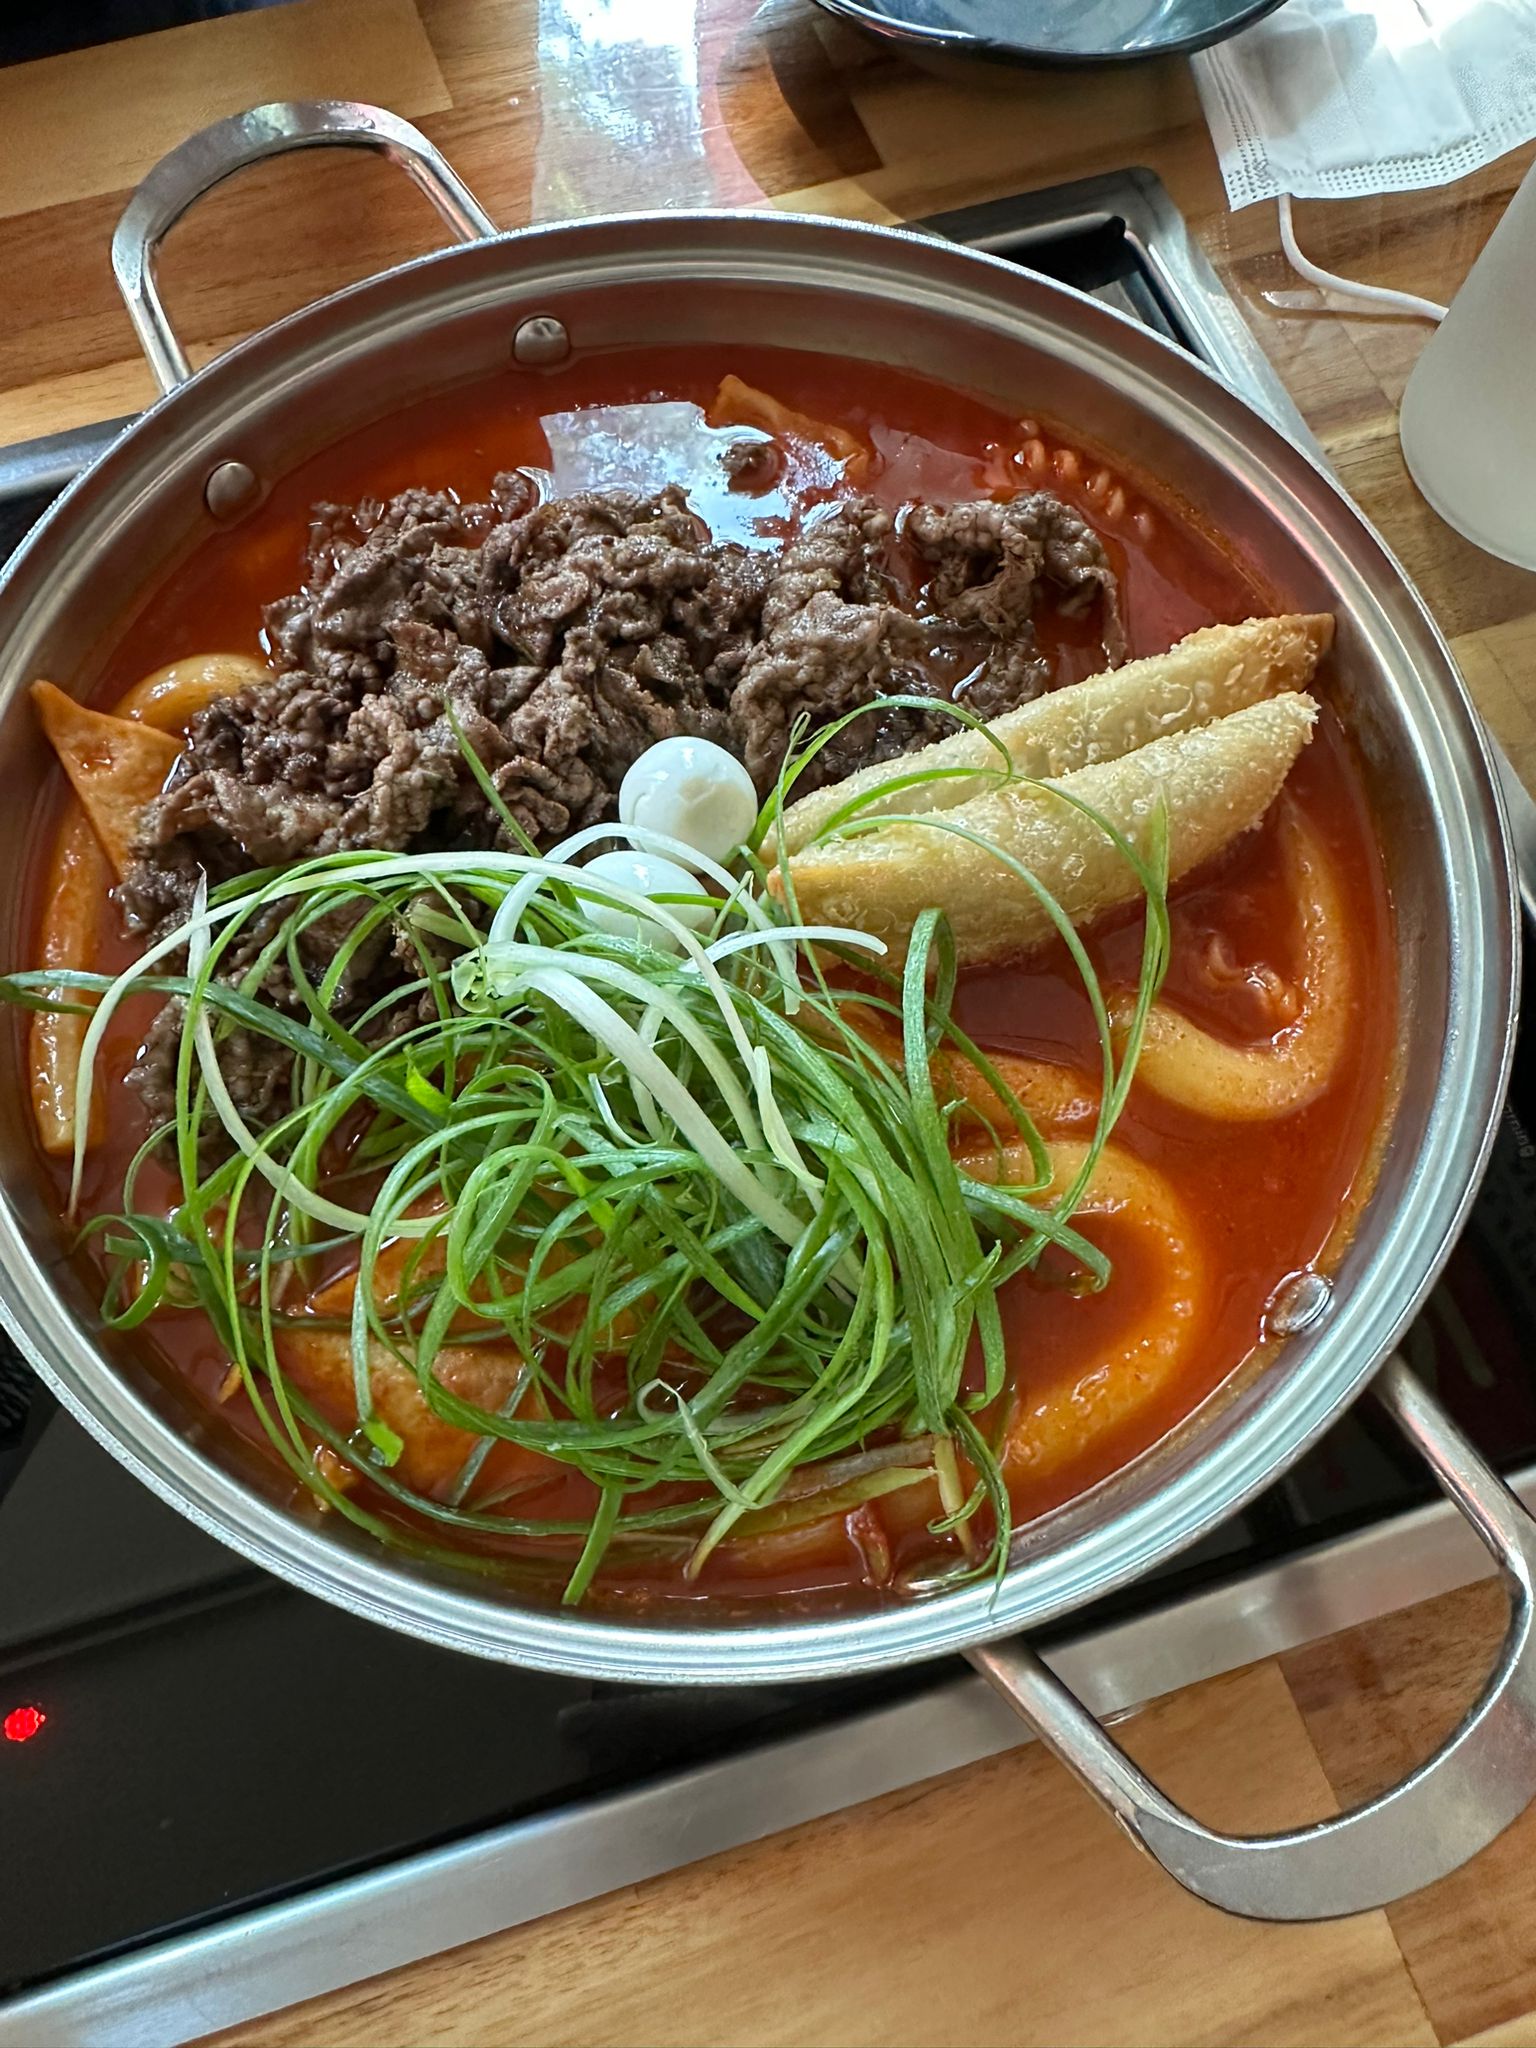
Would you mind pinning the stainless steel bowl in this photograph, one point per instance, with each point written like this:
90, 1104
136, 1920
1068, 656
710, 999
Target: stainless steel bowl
503, 307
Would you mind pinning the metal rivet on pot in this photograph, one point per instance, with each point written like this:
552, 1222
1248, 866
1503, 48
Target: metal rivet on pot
541, 342
230, 489
1297, 1303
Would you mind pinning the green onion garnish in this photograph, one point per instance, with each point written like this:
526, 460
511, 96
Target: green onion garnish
748, 1281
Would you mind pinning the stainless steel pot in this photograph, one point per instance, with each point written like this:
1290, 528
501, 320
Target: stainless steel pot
508, 306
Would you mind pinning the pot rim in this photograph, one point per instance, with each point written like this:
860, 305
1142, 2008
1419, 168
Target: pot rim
1255, 1445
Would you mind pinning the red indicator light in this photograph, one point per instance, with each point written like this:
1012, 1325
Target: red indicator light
22, 1723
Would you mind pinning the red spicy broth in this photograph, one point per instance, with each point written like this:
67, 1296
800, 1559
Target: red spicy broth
1174, 577
1264, 1199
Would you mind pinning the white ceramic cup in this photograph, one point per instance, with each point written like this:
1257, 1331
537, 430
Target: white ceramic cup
1468, 421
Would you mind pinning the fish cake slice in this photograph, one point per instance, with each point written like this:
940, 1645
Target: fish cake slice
1204, 676
1215, 780
116, 766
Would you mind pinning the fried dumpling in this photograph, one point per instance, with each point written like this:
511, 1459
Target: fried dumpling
1214, 782
1206, 675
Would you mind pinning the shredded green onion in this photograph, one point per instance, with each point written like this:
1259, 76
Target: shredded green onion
746, 1280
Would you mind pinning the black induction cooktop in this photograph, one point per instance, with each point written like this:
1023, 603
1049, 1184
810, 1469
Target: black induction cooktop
26, 33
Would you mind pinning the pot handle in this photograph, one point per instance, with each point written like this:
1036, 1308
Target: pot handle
213, 154
1452, 1806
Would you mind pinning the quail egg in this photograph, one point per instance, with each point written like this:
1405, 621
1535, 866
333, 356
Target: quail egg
647, 874
690, 790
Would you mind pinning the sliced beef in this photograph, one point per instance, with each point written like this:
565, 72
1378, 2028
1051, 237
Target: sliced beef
613, 621
832, 640
556, 641
254, 1070
297, 766
989, 559
374, 567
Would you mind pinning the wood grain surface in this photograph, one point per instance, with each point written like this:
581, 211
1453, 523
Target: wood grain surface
996, 1905
1072, 1939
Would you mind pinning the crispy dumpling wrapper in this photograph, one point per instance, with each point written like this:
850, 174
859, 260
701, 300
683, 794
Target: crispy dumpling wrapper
1214, 783
1204, 676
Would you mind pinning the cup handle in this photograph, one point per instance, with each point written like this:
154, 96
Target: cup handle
213, 154
1431, 1823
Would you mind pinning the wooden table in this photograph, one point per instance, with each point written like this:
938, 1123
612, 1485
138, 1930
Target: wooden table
996, 1905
